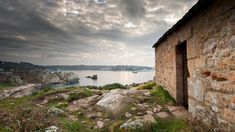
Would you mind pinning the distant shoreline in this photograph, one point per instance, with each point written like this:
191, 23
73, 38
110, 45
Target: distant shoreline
7, 66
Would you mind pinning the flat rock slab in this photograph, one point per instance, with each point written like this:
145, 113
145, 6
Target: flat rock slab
163, 114
183, 113
20, 91
84, 103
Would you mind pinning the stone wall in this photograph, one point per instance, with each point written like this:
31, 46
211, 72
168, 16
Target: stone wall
210, 37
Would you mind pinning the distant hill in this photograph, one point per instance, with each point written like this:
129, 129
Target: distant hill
24, 66
100, 67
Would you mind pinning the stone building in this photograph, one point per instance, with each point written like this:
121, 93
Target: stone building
195, 62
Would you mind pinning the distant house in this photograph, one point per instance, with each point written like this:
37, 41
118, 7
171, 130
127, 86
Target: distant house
195, 61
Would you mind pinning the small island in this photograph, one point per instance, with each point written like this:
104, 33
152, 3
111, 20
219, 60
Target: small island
94, 77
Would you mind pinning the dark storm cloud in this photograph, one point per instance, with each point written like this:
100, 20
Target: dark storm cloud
21, 17
133, 8
85, 31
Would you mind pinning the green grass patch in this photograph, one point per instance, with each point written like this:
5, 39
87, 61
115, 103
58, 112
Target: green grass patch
71, 126
4, 129
5, 86
148, 86
114, 127
14, 103
47, 91
113, 86
169, 125
79, 94
161, 96
61, 105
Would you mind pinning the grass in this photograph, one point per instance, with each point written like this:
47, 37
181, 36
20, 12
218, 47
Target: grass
5, 86
169, 125
5, 129
79, 94
21, 109
25, 119
113, 86
61, 105
14, 103
148, 86
161, 96
72, 126
114, 127
80, 114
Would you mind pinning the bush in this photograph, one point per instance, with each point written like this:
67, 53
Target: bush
113, 86
161, 96
148, 85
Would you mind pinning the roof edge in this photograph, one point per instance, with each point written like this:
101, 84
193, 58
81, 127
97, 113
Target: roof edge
201, 4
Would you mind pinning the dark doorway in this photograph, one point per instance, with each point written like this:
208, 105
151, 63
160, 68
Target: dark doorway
182, 74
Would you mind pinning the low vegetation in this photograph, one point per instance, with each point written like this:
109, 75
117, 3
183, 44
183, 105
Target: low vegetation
161, 96
24, 119
169, 125
28, 114
82, 93
73, 126
5, 86
113, 86
148, 86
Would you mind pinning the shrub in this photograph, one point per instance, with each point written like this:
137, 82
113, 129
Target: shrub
161, 96
148, 85
113, 86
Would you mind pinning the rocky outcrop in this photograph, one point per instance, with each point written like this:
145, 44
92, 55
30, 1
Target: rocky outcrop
115, 101
84, 103
94, 77
21, 91
9, 78
59, 77
41, 77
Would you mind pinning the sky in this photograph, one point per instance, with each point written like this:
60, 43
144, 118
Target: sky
91, 32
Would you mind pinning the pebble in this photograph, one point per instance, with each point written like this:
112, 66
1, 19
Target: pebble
100, 124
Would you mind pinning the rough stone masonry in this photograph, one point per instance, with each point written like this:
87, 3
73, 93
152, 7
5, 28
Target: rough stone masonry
208, 31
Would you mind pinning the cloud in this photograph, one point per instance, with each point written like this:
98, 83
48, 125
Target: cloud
134, 9
85, 31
